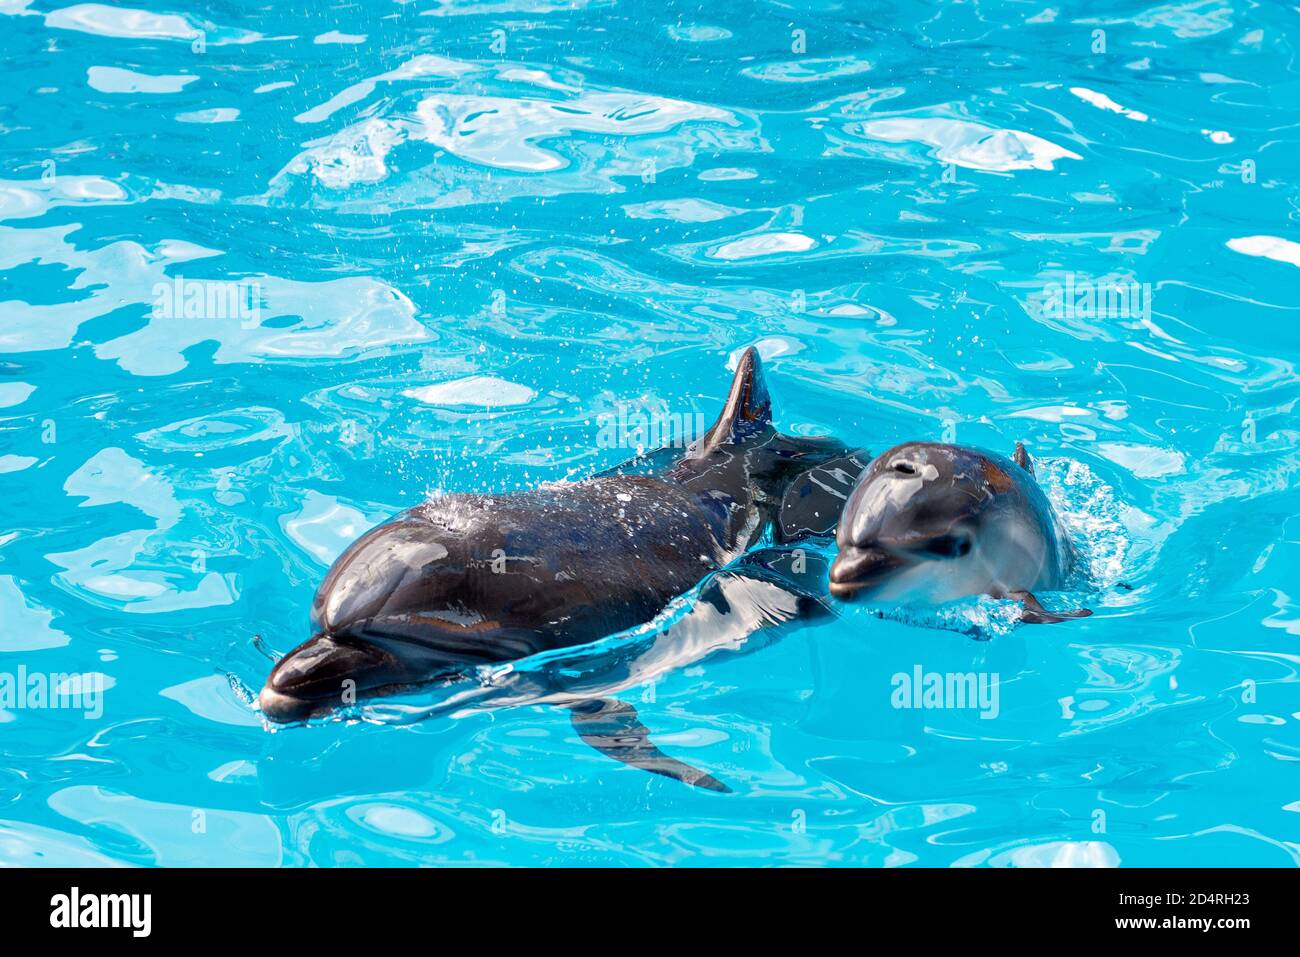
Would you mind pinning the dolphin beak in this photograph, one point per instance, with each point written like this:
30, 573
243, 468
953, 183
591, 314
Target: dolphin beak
320, 675
284, 708
855, 568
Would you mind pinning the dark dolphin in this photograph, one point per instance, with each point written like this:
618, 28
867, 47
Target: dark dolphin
934, 522
462, 581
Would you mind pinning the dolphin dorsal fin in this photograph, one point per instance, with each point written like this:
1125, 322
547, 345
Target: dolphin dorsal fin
748, 409
1021, 458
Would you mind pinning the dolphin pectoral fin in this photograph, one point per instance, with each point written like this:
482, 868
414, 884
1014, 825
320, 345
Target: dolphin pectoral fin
1035, 614
756, 601
613, 728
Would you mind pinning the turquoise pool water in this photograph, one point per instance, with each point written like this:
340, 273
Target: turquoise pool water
269, 273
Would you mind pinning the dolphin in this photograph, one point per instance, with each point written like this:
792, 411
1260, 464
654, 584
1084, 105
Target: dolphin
464, 581
931, 522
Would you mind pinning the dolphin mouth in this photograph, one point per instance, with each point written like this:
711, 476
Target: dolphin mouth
287, 708
856, 568
334, 671
321, 675
281, 708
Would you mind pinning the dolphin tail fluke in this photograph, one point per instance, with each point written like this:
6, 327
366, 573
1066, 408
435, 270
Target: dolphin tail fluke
1035, 614
613, 728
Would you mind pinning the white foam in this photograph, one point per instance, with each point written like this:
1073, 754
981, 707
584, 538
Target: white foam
1191, 20
970, 145
1104, 102
763, 244
425, 65
809, 70
25, 199
132, 23
685, 210
16, 463
108, 21
357, 154
1144, 461
224, 114
1093, 516
698, 33
337, 317
504, 132
484, 391
323, 526
1269, 247
27, 626
14, 393
209, 698
335, 37
112, 79
1056, 854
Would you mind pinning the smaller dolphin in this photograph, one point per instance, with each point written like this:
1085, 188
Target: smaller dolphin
930, 522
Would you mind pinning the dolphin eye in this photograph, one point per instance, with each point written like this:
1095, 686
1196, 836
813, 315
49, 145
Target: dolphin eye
948, 546
906, 468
